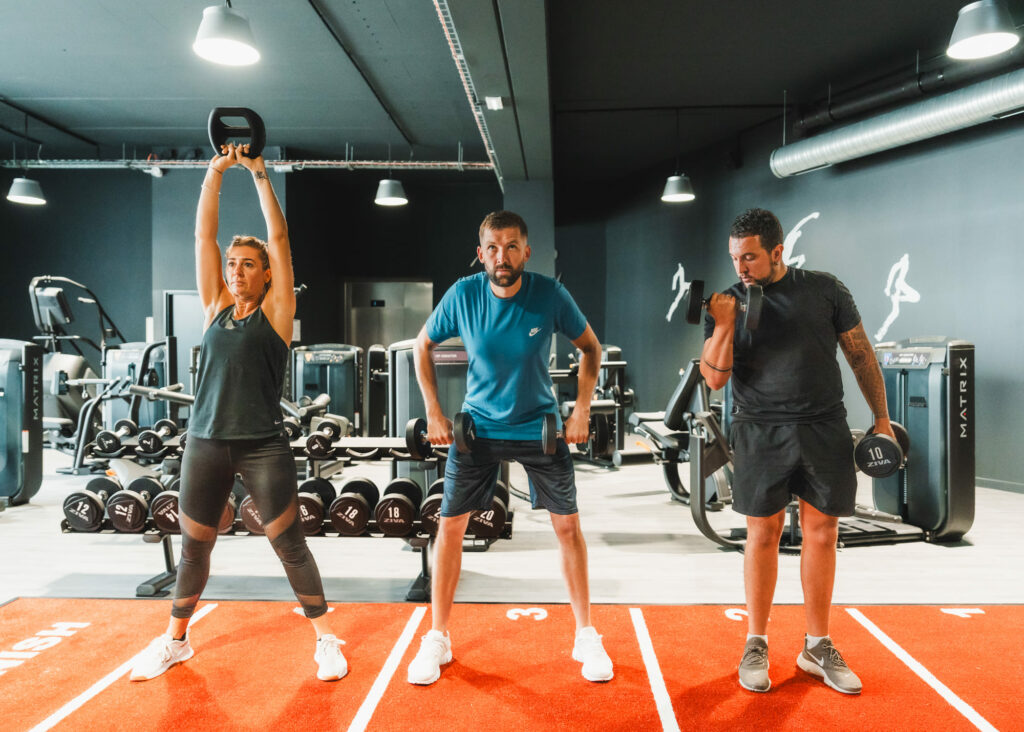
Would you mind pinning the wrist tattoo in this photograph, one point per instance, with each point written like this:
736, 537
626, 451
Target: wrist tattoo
716, 368
259, 175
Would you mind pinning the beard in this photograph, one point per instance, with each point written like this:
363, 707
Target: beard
765, 281
504, 276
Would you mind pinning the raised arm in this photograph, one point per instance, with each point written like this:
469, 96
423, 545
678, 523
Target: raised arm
279, 304
439, 427
716, 356
213, 294
861, 357
577, 426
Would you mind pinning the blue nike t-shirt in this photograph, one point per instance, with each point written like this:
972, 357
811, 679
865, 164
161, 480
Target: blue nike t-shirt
508, 340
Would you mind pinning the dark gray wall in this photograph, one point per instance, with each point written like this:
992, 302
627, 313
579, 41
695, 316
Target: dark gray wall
952, 205
94, 229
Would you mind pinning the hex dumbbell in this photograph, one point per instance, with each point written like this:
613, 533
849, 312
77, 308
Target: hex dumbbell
750, 307
152, 441
350, 511
878, 455
398, 507
83, 509
109, 441
128, 508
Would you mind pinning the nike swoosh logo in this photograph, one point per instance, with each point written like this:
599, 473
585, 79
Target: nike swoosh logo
534, 331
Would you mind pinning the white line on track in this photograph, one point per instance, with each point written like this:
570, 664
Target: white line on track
662, 700
103, 683
369, 705
918, 668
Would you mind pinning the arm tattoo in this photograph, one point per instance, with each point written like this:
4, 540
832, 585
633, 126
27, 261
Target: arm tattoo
716, 368
259, 175
861, 357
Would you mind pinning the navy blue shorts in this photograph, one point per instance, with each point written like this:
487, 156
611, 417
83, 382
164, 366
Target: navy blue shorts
812, 461
469, 479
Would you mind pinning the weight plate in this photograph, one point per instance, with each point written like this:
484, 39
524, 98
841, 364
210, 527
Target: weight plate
464, 432
250, 516
694, 301
430, 513
127, 511
549, 434
878, 456
755, 303
349, 513
601, 435
311, 513
164, 509
416, 439
84, 510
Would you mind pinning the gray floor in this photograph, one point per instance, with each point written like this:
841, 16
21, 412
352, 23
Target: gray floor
643, 549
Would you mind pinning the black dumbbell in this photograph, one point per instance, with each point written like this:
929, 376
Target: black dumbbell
221, 132
152, 441
414, 444
397, 509
878, 455
751, 306
84, 509
292, 428
488, 524
464, 433
250, 516
109, 441
350, 511
315, 496
165, 512
430, 509
325, 430
128, 508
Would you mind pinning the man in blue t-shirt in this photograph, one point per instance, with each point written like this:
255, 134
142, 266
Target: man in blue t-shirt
506, 318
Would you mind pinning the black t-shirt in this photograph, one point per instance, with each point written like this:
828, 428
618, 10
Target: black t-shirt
786, 371
241, 372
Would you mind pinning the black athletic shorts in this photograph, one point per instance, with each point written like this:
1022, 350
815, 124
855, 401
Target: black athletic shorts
469, 480
812, 461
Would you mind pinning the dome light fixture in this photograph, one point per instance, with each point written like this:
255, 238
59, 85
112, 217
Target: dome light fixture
983, 28
390, 193
224, 37
27, 191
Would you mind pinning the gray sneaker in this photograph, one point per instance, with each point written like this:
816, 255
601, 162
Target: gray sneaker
754, 666
825, 661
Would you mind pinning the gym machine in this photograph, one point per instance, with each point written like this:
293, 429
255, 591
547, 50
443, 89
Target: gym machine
21, 421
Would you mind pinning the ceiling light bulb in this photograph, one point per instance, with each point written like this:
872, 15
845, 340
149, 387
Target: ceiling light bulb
678, 189
224, 37
494, 103
27, 191
390, 193
983, 29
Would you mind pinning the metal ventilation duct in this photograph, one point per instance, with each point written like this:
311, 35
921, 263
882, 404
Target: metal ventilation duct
981, 102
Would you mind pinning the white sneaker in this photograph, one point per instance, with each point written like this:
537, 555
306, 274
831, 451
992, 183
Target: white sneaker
435, 649
328, 655
159, 656
589, 651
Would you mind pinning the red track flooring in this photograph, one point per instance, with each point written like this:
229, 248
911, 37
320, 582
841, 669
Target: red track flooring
253, 669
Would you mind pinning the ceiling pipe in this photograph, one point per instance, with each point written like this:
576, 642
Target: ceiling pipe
973, 105
906, 89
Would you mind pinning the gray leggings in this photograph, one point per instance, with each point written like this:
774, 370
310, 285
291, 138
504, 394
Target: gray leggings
268, 471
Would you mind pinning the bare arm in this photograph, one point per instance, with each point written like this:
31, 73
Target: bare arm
439, 427
213, 294
577, 426
279, 303
861, 357
716, 356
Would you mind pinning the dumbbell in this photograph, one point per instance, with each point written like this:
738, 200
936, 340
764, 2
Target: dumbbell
220, 132
315, 496
152, 441
489, 523
84, 509
165, 510
430, 509
350, 511
292, 428
878, 455
324, 431
128, 508
464, 433
397, 509
751, 306
415, 443
109, 441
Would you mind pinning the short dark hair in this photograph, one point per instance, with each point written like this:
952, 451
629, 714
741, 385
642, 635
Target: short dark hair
503, 220
758, 222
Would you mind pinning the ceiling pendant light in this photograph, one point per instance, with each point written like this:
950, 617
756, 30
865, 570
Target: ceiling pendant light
678, 188
390, 193
224, 37
27, 191
982, 29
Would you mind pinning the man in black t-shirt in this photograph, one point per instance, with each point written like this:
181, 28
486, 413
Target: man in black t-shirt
789, 433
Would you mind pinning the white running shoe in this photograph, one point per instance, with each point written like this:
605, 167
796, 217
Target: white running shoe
332, 663
589, 651
435, 649
159, 656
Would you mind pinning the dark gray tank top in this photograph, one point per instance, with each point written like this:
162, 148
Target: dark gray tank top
241, 374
